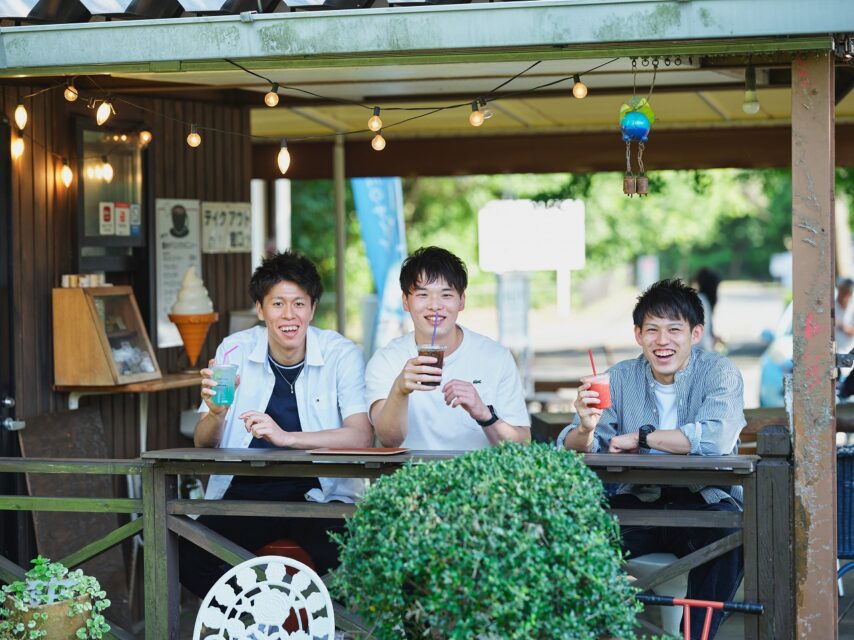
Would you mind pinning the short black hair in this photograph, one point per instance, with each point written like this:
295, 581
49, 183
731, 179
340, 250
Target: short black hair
672, 299
430, 264
845, 284
290, 266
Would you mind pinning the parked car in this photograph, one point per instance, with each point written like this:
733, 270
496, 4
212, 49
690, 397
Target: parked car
776, 361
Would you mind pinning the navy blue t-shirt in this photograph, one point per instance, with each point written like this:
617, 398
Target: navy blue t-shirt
282, 408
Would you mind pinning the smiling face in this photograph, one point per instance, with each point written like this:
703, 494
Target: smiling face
666, 344
434, 300
287, 311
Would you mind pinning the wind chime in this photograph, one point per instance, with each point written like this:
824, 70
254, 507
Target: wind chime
636, 118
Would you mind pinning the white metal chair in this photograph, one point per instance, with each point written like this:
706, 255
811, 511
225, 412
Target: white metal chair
269, 597
677, 587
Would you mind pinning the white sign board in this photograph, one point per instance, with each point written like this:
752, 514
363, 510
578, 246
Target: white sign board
226, 227
521, 235
178, 247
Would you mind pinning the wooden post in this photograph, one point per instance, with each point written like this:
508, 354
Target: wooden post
774, 533
814, 415
340, 185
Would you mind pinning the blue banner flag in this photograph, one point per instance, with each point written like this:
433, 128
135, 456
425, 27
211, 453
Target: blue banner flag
379, 205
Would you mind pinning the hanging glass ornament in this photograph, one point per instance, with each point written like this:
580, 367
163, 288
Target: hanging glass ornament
636, 119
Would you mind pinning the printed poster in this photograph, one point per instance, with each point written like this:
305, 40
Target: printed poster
226, 227
106, 217
177, 228
135, 220
122, 214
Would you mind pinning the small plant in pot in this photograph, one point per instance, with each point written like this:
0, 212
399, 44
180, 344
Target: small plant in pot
509, 542
53, 602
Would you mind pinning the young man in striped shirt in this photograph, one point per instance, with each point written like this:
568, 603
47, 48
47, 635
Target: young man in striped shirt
674, 398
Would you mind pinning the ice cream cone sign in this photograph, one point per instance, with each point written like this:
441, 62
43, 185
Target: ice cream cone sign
193, 314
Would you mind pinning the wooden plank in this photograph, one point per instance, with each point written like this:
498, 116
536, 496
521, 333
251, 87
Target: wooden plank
678, 518
9, 571
110, 540
751, 556
70, 505
695, 559
153, 530
70, 466
262, 508
167, 557
210, 541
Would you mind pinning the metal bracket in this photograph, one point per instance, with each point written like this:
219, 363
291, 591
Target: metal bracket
13, 425
845, 360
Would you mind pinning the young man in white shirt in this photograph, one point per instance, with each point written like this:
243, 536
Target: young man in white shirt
474, 400
299, 387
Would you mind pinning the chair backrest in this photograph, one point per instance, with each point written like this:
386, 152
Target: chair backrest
845, 501
260, 597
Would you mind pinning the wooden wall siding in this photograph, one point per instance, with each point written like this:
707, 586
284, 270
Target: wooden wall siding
44, 232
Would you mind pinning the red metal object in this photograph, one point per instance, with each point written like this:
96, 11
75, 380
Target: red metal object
709, 605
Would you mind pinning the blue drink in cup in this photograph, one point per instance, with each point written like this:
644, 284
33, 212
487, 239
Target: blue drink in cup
225, 376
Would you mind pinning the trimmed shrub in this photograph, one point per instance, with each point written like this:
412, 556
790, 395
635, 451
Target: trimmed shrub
506, 542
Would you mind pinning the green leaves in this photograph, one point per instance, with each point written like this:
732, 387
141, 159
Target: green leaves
507, 542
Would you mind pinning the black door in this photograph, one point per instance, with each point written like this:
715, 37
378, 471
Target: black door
14, 526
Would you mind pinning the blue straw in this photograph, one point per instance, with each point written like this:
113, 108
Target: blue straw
435, 324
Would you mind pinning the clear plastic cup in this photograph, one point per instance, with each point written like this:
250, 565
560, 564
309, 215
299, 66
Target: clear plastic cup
600, 383
225, 376
434, 351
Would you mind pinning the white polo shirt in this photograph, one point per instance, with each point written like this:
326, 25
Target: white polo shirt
330, 388
434, 425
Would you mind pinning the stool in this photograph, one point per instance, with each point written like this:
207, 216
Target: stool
642, 566
287, 548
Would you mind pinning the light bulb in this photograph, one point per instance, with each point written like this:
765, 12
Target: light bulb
486, 111
90, 172
375, 123
71, 94
145, 137
579, 89
194, 139
99, 171
21, 116
751, 100
104, 112
475, 117
123, 137
17, 147
65, 174
271, 98
284, 158
378, 143
107, 170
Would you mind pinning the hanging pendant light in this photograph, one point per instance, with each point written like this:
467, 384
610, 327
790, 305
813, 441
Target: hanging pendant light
284, 157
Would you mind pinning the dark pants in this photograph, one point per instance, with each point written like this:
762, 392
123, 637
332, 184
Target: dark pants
717, 579
199, 570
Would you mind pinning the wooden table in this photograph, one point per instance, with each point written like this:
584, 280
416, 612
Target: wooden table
165, 516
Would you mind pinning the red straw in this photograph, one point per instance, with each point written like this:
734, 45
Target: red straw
592, 364
225, 355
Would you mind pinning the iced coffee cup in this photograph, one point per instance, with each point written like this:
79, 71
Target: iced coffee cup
434, 351
225, 376
600, 383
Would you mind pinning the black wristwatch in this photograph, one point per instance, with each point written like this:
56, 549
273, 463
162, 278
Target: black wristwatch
491, 420
643, 434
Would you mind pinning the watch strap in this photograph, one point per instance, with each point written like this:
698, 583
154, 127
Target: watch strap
643, 433
493, 418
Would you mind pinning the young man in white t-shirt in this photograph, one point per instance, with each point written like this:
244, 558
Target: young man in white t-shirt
475, 400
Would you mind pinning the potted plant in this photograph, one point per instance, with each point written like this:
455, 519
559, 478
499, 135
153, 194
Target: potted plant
507, 542
53, 602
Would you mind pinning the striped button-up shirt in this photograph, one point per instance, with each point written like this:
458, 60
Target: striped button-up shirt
710, 409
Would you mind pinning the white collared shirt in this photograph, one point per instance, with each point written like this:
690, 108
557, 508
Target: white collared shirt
330, 388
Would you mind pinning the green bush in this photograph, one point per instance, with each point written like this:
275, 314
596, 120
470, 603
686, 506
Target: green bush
506, 542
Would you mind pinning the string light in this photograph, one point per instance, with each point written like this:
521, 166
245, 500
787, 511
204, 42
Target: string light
485, 110
18, 146
71, 93
375, 123
193, 138
145, 137
378, 143
21, 116
579, 89
751, 104
106, 170
284, 157
475, 117
104, 112
271, 98
65, 174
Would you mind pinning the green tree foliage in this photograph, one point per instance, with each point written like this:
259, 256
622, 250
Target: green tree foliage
465, 549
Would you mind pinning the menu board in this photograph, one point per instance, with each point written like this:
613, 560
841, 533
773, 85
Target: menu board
226, 227
178, 247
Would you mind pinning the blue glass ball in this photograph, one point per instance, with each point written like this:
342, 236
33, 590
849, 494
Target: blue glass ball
635, 127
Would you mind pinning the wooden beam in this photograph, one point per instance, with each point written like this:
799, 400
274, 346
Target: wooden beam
814, 412
739, 147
